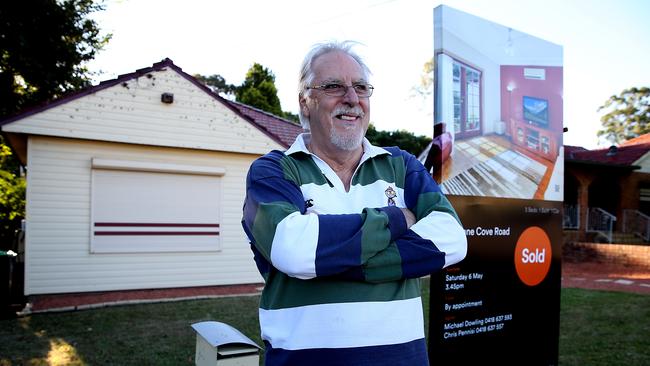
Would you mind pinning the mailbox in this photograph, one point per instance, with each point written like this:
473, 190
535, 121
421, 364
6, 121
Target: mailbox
220, 344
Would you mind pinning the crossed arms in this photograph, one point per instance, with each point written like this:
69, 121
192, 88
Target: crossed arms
377, 244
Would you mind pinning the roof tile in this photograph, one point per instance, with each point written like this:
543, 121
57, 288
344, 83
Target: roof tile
285, 130
624, 155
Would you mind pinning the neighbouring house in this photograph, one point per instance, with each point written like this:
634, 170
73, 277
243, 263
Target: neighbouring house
607, 193
138, 183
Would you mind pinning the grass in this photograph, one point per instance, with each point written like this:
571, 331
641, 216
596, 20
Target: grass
597, 328
604, 328
148, 334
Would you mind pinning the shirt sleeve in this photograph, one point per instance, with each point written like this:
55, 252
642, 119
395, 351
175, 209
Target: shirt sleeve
435, 241
306, 245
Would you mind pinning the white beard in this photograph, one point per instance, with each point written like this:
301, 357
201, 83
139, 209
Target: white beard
347, 141
352, 136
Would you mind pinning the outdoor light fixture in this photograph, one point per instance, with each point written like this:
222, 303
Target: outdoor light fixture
167, 98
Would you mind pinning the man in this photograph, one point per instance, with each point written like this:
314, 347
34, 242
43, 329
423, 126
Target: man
341, 230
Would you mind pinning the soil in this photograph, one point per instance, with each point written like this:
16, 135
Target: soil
606, 276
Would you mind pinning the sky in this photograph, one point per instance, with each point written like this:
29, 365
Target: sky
606, 46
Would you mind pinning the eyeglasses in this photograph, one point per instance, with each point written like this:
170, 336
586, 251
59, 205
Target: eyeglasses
338, 90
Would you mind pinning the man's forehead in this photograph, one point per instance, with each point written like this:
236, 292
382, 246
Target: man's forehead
336, 66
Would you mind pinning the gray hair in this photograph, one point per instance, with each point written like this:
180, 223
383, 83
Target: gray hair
307, 73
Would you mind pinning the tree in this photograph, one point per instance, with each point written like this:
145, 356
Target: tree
216, 83
258, 90
404, 139
44, 45
628, 115
12, 196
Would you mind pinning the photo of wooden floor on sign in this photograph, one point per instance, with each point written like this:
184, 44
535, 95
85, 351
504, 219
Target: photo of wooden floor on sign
492, 166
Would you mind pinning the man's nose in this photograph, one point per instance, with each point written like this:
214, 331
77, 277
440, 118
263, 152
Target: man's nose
350, 96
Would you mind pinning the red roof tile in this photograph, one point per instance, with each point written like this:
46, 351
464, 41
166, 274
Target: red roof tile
620, 156
643, 139
285, 130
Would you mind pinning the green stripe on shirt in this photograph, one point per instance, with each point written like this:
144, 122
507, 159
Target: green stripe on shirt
385, 266
433, 201
269, 215
282, 291
375, 235
301, 169
386, 168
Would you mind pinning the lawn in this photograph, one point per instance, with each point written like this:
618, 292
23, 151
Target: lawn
597, 328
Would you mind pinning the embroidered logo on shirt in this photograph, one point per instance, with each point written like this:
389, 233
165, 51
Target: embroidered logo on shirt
391, 194
309, 203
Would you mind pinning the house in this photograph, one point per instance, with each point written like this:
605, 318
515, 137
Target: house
607, 192
138, 183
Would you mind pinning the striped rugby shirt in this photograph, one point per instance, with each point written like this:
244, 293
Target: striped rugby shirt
341, 269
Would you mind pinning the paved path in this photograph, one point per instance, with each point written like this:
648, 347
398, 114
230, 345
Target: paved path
601, 276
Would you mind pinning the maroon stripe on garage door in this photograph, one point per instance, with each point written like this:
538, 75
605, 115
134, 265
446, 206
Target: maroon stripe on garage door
151, 224
156, 233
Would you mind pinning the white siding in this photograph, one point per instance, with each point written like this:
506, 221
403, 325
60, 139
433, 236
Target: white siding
132, 112
58, 258
644, 163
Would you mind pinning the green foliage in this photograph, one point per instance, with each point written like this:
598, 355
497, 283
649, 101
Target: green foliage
258, 90
291, 116
628, 115
12, 196
216, 83
44, 45
404, 139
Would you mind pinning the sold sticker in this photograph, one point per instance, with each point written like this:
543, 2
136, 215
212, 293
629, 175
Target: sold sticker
533, 256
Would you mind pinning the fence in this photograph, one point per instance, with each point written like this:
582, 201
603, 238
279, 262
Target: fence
636, 223
571, 217
601, 222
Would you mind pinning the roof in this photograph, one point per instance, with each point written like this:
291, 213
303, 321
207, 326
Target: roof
281, 130
285, 130
622, 156
643, 139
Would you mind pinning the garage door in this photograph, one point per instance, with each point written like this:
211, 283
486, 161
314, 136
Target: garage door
154, 207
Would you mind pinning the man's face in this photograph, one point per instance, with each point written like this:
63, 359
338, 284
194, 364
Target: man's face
336, 122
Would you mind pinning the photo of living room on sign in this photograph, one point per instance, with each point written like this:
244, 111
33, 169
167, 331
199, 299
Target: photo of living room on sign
498, 110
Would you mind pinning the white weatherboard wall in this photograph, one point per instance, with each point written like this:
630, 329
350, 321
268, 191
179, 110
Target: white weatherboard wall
58, 256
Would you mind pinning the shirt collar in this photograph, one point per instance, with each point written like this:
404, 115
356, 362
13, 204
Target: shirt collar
300, 145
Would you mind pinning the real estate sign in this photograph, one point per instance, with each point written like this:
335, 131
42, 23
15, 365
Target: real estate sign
498, 155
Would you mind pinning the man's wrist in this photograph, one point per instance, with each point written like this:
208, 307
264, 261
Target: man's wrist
397, 223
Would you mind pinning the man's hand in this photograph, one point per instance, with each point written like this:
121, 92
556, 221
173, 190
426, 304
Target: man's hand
408, 215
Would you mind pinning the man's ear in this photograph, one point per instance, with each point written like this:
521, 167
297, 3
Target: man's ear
302, 101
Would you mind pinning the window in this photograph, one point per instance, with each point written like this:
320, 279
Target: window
466, 88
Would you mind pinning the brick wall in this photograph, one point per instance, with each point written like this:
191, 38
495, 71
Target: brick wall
627, 254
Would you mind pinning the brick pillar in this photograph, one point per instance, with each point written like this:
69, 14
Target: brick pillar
583, 203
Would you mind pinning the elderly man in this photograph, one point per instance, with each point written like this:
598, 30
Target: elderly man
341, 230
